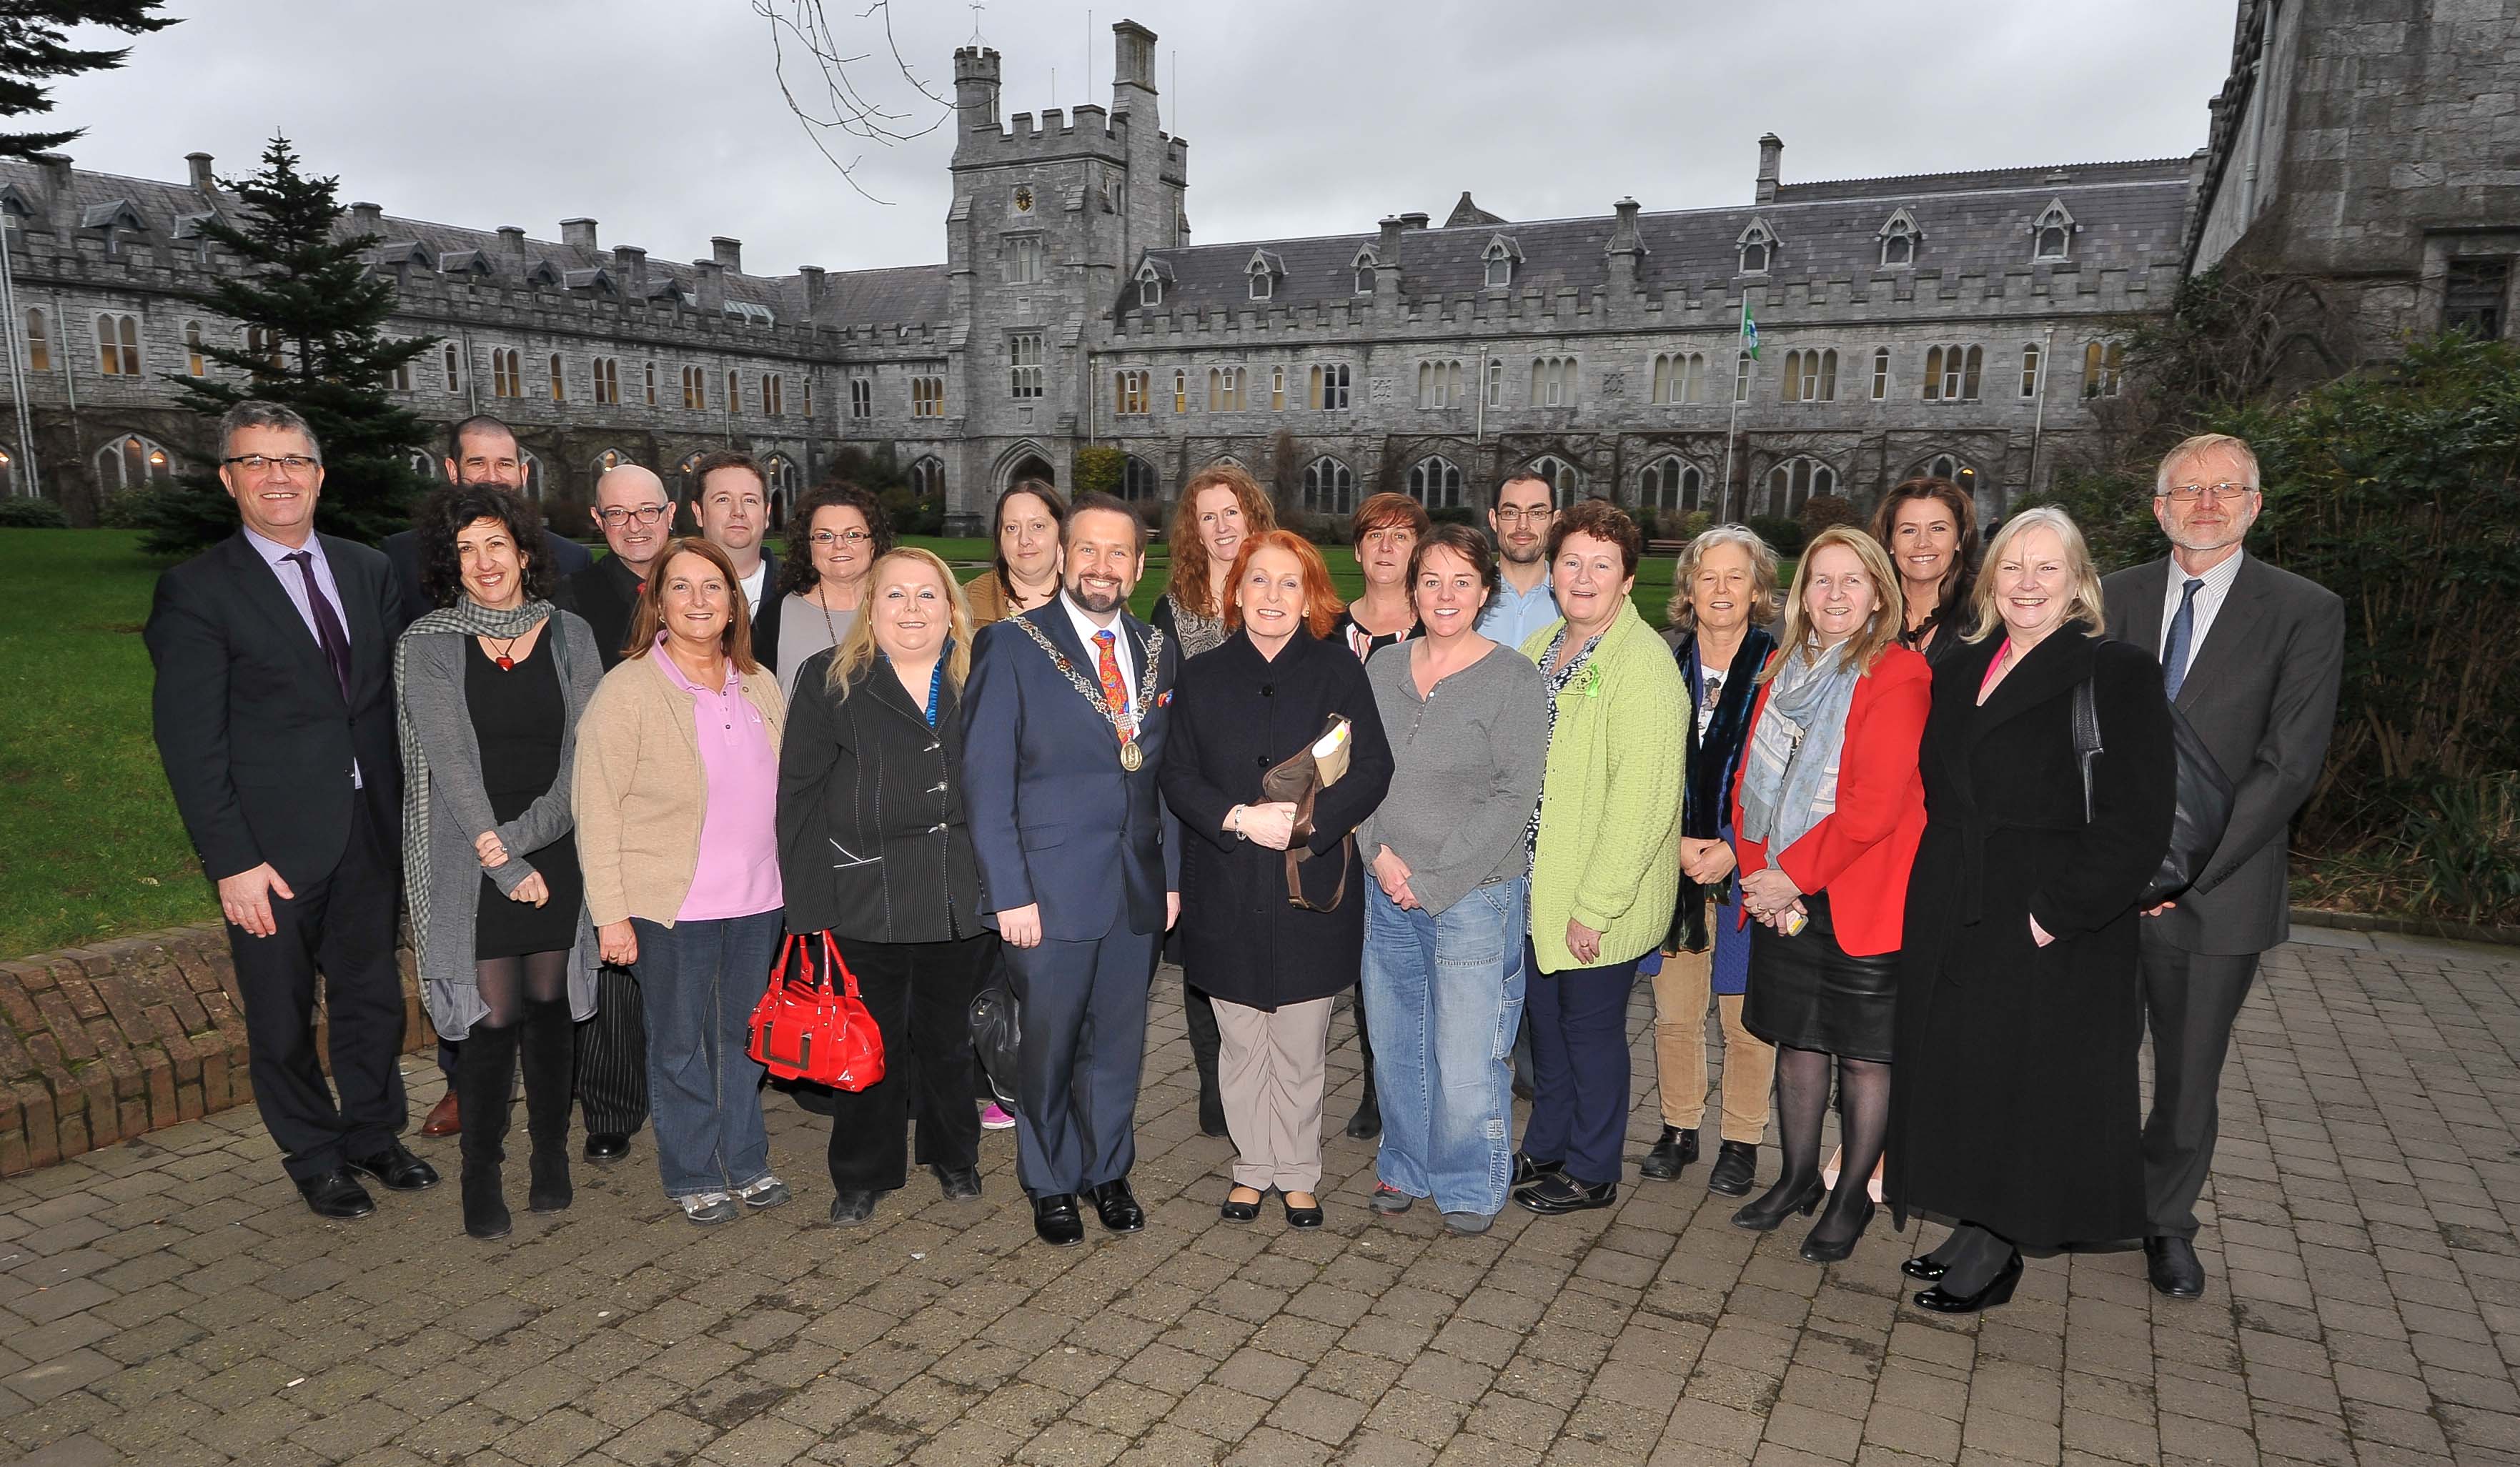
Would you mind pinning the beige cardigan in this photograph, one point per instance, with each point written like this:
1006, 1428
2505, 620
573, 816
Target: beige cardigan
640, 792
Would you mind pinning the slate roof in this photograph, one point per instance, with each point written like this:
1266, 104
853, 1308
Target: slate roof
903, 296
2129, 215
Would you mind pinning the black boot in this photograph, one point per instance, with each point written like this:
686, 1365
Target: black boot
485, 1070
548, 1049
1670, 1155
1199, 1016
1366, 1123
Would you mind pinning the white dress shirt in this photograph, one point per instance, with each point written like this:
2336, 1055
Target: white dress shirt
2209, 602
753, 585
1086, 631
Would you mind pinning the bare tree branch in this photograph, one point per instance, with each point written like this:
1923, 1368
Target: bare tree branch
842, 103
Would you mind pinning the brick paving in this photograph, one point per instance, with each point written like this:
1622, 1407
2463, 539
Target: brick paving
167, 1301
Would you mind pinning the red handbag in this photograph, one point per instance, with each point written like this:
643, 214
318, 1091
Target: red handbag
806, 1029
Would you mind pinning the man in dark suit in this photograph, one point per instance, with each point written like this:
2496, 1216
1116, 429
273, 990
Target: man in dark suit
732, 507
274, 717
636, 516
480, 450
1063, 722
2251, 656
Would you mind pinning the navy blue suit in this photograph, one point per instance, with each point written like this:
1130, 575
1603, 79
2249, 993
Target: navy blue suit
1055, 821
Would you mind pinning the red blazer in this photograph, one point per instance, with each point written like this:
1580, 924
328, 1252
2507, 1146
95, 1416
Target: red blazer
1861, 852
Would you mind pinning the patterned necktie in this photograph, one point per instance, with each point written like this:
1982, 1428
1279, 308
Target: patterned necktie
328, 623
2182, 631
1115, 692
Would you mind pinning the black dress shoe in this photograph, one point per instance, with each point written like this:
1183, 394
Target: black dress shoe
2173, 1266
607, 1146
396, 1169
959, 1184
1777, 1203
1736, 1166
1670, 1155
1558, 1193
1819, 1250
338, 1195
1241, 1212
851, 1205
1301, 1217
1117, 1206
1998, 1290
1366, 1123
1055, 1220
1526, 1172
1924, 1267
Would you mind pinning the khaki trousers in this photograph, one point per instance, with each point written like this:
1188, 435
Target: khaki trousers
1269, 1071
1680, 992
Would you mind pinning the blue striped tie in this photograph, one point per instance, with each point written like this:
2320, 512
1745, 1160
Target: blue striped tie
2182, 631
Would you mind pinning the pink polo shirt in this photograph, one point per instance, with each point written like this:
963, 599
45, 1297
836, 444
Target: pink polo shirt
737, 874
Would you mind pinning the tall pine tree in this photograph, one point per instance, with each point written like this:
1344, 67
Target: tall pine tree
311, 308
35, 48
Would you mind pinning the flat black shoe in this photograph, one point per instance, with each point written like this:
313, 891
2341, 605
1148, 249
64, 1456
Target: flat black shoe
1998, 1290
851, 1205
1560, 1194
1117, 1206
1924, 1267
1241, 1211
1777, 1204
338, 1195
1819, 1250
607, 1146
1736, 1166
1670, 1156
1055, 1220
396, 1169
1301, 1217
2172, 1267
958, 1183
1527, 1171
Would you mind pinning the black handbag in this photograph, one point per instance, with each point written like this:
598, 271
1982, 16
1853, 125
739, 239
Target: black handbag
997, 1032
2204, 797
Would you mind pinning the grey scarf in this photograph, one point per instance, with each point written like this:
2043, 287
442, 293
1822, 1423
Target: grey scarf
1789, 771
465, 619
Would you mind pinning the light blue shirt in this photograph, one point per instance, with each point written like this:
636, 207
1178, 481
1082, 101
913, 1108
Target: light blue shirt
1511, 615
276, 555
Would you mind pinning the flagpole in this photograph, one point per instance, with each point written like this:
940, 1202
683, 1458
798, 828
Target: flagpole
1741, 339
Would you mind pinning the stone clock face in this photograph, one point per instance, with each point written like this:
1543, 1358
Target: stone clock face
1023, 201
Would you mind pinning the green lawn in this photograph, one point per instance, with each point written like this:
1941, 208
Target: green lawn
90, 847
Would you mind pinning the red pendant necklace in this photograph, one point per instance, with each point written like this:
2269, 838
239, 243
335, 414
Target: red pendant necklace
506, 662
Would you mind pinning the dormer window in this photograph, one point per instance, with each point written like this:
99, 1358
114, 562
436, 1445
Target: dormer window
1265, 269
1501, 256
1757, 246
1899, 238
1152, 275
2053, 232
1363, 265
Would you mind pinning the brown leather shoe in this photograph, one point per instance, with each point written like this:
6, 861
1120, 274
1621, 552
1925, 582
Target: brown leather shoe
442, 1119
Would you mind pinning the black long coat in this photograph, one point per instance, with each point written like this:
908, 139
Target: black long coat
2014, 1105
1234, 715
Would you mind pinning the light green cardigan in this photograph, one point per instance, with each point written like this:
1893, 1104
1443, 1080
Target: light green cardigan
1609, 800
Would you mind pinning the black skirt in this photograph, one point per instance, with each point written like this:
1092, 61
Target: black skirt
1806, 993
516, 717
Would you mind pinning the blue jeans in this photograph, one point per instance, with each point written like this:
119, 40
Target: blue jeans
701, 981
1442, 995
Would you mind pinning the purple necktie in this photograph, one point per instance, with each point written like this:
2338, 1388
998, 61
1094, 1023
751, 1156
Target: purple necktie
328, 623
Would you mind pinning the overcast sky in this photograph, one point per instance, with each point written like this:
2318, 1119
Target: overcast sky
663, 120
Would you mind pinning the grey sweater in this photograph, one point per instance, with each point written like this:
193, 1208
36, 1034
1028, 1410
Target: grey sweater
1468, 764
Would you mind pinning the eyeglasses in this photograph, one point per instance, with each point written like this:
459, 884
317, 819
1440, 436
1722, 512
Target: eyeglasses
617, 516
1541, 515
825, 539
290, 465
2188, 494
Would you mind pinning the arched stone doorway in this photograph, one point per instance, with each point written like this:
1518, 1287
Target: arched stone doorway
1032, 467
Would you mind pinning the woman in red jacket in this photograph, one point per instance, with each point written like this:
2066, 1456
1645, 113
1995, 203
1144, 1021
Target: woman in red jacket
1826, 811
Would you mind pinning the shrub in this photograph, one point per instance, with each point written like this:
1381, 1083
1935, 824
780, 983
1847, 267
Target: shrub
128, 509
1781, 531
1099, 469
23, 514
1823, 511
1455, 515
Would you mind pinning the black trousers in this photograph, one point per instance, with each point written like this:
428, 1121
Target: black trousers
920, 997
340, 925
2190, 1000
613, 1056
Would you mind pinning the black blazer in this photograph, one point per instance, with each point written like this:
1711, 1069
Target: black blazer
606, 596
1239, 714
402, 549
2261, 691
872, 841
765, 622
255, 735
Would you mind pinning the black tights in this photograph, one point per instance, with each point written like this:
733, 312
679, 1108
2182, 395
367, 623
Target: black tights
507, 984
1864, 1124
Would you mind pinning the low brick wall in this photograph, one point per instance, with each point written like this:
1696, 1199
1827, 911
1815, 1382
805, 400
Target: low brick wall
98, 1044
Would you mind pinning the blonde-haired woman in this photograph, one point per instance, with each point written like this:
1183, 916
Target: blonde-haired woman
1827, 813
2017, 980
875, 849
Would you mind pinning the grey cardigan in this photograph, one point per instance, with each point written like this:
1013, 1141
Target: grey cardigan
459, 810
1466, 772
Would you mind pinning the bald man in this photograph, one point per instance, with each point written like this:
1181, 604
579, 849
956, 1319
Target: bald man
637, 517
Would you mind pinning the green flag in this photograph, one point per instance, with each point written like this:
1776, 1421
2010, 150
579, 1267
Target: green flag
1749, 331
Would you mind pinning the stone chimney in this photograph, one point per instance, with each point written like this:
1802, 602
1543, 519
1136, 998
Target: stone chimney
511, 241
1627, 249
729, 253
1415, 221
57, 171
632, 262
367, 219
197, 165
578, 233
712, 284
1771, 153
1386, 246
815, 286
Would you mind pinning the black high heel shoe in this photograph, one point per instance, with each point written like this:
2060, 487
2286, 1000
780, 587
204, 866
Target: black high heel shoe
1819, 1250
1924, 1267
1776, 1205
1998, 1290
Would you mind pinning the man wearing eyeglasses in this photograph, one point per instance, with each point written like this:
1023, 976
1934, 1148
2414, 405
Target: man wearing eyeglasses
1524, 601
273, 713
732, 508
2251, 656
480, 450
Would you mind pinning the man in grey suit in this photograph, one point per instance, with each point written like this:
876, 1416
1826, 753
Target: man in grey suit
2251, 656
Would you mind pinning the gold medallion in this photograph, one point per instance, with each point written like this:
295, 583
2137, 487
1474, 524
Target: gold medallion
1132, 758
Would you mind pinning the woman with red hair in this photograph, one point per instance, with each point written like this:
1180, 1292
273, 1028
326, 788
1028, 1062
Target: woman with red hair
1273, 940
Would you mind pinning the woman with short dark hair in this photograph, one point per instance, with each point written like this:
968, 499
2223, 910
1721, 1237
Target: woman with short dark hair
1025, 527
490, 688
837, 534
